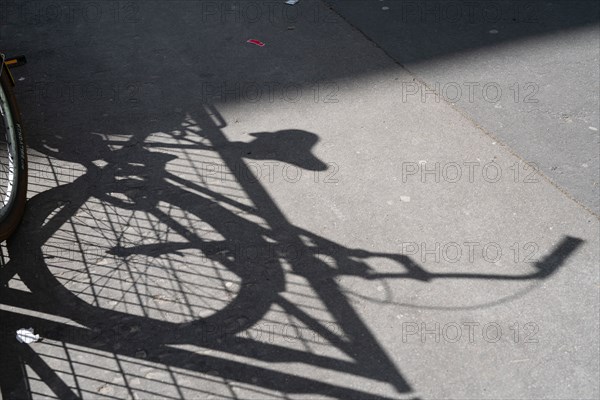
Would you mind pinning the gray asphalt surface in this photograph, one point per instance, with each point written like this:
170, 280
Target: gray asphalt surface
526, 72
209, 218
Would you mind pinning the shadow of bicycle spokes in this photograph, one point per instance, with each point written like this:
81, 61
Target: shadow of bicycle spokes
159, 266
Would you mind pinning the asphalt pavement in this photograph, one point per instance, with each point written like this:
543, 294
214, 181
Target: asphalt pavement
255, 200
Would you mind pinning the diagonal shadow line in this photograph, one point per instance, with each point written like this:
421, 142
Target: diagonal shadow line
313, 324
357, 327
309, 267
7, 272
14, 358
215, 195
556, 260
206, 364
314, 281
245, 347
368, 354
275, 353
46, 373
13, 377
271, 379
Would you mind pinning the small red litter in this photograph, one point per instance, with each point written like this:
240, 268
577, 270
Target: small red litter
256, 42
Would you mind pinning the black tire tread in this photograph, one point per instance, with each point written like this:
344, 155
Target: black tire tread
10, 221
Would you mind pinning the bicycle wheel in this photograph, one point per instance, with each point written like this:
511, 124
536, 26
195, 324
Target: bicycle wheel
13, 161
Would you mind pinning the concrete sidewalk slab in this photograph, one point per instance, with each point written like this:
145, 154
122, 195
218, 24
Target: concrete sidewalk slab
176, 247
525, 72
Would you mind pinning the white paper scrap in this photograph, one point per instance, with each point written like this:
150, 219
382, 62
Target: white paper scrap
27, 336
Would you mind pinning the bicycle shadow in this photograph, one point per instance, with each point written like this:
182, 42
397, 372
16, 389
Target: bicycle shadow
135, 179
160, 260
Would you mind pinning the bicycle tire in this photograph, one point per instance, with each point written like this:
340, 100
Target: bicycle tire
12, 208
